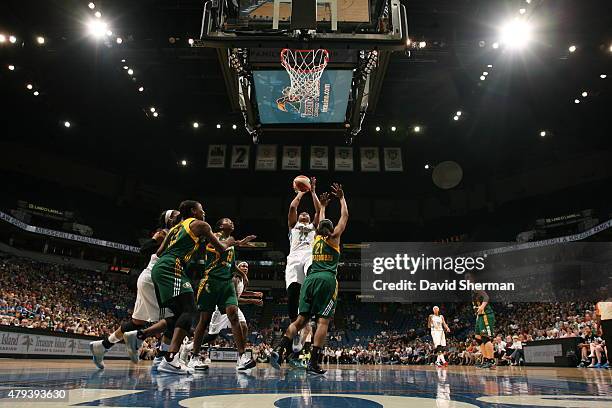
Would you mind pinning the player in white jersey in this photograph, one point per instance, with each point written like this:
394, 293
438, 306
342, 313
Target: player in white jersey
301, 236
146, 308
438, 325
220, 321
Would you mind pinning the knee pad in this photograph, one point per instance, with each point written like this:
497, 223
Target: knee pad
185, 321
170, 324
130, 326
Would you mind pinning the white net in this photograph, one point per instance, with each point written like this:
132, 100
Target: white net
305, 68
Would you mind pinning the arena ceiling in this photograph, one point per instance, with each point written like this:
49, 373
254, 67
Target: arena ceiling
83, 81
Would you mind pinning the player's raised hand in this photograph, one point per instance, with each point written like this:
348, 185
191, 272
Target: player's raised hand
245, 241
313, 184
258, 294
337, 190
257, 302
324, 199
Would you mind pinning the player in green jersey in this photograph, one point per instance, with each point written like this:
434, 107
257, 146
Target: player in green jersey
217, 290
172, 287
485, 325
318, 295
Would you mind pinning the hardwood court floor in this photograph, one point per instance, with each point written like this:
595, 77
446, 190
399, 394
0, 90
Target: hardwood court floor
123, 384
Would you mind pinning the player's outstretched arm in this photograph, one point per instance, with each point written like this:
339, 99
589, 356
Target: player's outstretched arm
292, 218
315, 200
344, 215
203, 229
322, 205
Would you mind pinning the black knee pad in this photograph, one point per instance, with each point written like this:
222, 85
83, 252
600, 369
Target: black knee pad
293, 300
185, 321
170, 324
130, 326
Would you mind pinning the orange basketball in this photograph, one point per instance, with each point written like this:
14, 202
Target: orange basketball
301, 183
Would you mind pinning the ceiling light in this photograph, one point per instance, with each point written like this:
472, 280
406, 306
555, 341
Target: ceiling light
123, 60
190, 41
155, 114
40, 40
522, 11
91, 6
576, 101
516, 33
98, 14
29, 86
603, 76
36, 93
11, 67
67, 124
482, 77
455, 117
12, 39
393, 128
97, 28
417, 129
141, 89
2, 38
585, 94
234, 127
485, 73
543, 133
218, 126
130, 71
427, 167
495, 45
119, 40
459, 113
109, 33
183, 162
422, 44
490, 66
152, 109
378, 128
572, 48
126, 67
196, 125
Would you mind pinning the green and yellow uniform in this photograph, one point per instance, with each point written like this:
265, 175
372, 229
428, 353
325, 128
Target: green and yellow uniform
485, 322
318, 295
216, 289
168, 272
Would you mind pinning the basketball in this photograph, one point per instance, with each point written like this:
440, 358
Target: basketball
301, 183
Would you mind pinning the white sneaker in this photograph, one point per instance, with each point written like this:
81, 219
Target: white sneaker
156, 362
132, 344
297, 345
174, 367
97, 351
196, 363
245, 363
184, 351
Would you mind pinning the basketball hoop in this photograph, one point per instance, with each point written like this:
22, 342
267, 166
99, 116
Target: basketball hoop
305, 68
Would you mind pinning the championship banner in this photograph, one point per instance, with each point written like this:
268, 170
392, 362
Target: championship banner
319, 159
240, 157
216, 156
266, 157
370, 161
66, 235
292, 158
344, 159
393, 159
21, 343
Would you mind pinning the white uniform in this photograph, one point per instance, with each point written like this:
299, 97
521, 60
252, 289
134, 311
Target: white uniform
437, 331
220, 321
299, 260
146, 307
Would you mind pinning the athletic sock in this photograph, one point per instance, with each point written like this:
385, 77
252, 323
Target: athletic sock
314, 356
169, 356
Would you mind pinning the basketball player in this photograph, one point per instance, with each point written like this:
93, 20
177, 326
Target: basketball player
485, 325
320, 290
437, 324
301, 235
146, 309
216, 291
172, 286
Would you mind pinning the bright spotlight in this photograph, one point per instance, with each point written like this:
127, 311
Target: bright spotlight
155, 114
36, 93
610, 48
141, 89
11, 67
67, 124
123, 60
576, 101
40, 40
422, 44
459, 113
495, 45
490, 66
393, 128
119, 40
482, 77
29, 86
130, 71
455, 117
543, 133
603, 76
190, 41
427, 167
417, 129
572, 48
234, 127
516, 33
97, 28
152, 109
485, 73
12, 39
2, 38
98, 14
183, 162
585, 94
126, 67
218, 126
378, 128
91, 6
109, 33
522, 11
196, 125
